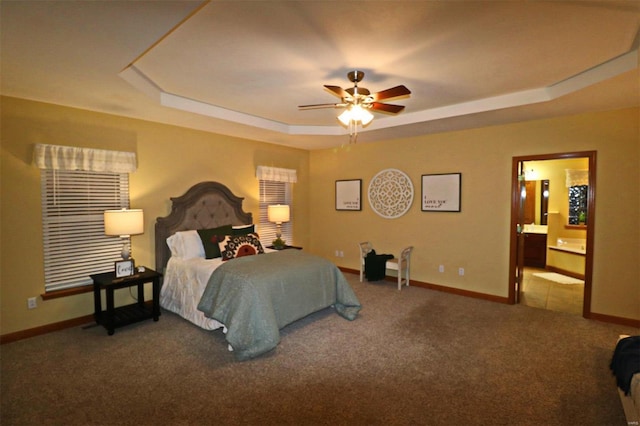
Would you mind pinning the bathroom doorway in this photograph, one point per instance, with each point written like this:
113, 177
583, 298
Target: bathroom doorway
543, 229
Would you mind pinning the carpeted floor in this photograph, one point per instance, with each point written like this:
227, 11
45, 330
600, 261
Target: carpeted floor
415, 357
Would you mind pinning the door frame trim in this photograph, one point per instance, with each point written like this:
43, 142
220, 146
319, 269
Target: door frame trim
591, 215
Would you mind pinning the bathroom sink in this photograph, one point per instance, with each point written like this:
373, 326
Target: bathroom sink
535, 229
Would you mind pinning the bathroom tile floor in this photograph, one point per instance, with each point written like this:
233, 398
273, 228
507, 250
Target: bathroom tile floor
540, 293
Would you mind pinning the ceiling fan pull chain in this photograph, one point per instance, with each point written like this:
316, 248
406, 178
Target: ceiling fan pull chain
353, 132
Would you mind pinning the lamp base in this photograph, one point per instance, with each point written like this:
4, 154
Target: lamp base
125, 253
279, 243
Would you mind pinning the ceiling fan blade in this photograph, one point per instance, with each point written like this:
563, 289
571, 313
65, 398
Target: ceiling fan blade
394, 109
317, 106
337, 90
361, 91
394, 92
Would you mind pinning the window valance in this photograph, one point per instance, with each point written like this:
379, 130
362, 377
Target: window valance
276, 174
577, 177
59, 157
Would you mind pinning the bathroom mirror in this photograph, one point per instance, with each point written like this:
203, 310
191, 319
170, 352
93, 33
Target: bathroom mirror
578, 201
536, 205
544, 201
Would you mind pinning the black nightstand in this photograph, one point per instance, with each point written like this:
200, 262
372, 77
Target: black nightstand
286, 247
113, 317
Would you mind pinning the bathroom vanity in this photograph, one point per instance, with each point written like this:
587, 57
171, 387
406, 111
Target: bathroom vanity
535, 249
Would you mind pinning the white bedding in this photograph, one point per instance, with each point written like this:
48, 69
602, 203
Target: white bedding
183, 285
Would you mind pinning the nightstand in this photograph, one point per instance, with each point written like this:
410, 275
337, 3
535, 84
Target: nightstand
286, 247
113, 317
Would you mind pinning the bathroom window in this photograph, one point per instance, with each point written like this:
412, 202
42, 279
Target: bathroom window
578, 201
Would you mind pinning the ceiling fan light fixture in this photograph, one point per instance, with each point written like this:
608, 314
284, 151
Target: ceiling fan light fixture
355, 114
345, 117
358, 101
362, 115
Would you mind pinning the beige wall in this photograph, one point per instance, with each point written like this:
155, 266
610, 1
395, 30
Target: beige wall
171, 159
477, 238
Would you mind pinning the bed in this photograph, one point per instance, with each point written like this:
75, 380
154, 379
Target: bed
251, 297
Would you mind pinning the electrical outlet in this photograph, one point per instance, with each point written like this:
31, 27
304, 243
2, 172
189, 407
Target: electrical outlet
341, 253
441, 268
460, 271
31, 303
337, 253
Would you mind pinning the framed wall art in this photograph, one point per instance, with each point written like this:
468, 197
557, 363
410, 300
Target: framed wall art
390, 193
349, 194
441, 192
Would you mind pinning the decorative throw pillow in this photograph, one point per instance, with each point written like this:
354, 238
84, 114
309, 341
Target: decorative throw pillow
210, 239
243, 229
240, 245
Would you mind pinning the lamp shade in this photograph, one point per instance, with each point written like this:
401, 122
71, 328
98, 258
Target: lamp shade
123, 222
278, 213
345, 117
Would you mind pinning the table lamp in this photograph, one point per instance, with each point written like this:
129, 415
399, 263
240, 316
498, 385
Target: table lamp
277, 214
124, 223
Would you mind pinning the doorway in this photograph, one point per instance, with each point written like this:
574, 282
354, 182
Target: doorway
558, 219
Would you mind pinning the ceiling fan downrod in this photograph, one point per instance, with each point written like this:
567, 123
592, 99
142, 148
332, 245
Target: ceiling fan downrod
355, 76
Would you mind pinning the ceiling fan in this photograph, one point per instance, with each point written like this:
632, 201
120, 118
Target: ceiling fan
358, 101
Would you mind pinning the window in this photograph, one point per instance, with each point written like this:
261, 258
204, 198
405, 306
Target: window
272, 192
577, 182
73, 204
77, 186
275, 188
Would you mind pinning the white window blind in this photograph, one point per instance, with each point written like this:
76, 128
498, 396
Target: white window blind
272, 192
73, 203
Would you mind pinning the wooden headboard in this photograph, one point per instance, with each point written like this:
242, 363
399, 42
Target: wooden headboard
204, 205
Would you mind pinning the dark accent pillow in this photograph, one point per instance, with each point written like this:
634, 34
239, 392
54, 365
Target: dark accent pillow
210, 239
240, 245
244, 230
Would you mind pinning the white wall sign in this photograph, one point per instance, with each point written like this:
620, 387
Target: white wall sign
441, 193
349, 194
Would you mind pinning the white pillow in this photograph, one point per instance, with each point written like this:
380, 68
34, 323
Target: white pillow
175, 245
186, 245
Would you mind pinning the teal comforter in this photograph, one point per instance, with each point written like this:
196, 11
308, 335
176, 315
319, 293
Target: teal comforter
256, 296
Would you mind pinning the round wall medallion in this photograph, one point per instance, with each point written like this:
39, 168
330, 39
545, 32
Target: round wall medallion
390, 193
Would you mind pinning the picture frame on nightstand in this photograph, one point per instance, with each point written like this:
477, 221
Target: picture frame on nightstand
125, 268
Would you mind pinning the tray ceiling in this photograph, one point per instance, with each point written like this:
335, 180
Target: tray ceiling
242, 68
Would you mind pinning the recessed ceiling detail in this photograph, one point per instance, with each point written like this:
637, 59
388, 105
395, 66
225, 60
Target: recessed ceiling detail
596, 74
241, 69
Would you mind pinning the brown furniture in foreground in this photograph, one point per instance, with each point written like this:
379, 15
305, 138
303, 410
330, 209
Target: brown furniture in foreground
113, 317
